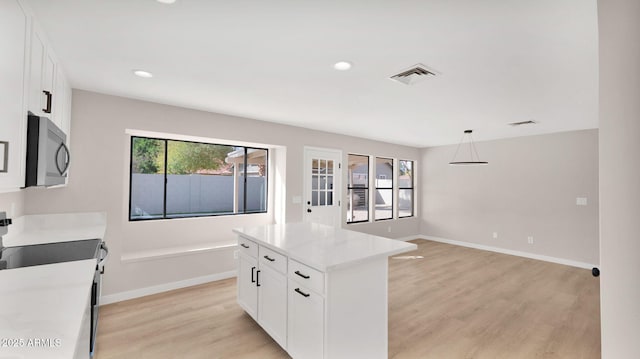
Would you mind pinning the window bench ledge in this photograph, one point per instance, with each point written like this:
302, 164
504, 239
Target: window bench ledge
152, 254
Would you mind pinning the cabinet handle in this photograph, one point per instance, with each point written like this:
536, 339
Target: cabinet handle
244, 245
269, 259
252, 274
257, 278
49, 98
302, 293
302, 275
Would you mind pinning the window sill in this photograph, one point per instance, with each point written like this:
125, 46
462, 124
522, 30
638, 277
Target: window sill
154, 254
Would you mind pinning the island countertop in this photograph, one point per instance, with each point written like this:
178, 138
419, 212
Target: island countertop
323, 247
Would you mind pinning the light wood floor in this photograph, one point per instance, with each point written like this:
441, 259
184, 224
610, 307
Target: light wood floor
455, 302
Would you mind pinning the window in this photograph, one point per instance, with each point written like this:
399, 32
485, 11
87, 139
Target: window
322, 182
358, 189
405, 188
384, 189
177, 179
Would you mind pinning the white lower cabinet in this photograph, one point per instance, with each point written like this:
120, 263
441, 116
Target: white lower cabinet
272, 304
83, 346
306, 322
262, 288
247, 289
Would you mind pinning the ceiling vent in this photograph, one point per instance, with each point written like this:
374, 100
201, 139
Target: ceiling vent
521, 123
414, 74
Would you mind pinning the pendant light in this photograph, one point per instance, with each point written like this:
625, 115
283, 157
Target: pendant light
473, 161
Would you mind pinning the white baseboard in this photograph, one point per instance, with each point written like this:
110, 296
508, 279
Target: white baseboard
137, 293
540, 257
408, 238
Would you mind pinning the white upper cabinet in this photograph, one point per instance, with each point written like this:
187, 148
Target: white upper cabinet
62, 104
32, 80
37, 100
48, 88
14, 32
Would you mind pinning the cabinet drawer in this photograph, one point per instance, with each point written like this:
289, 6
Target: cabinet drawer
247, 246
273, 259
307, 276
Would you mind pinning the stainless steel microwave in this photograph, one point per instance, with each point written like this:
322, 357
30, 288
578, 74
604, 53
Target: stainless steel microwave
47, 153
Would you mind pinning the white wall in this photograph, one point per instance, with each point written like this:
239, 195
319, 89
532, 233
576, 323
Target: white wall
528, 189
99, 182
619, 23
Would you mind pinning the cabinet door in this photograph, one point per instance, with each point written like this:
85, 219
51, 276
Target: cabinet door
306, 322
272, 304
13, 38
48, 85
60, 99
247, 280
37, 99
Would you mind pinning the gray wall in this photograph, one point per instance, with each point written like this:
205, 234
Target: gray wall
528, 189
619, 23
99, 177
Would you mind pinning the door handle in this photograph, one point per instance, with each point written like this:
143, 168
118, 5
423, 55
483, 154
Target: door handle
257, 278
252, 273
302, 275
302, 293
269, 259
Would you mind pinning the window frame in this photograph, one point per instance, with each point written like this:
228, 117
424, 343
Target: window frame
166, 160
367, 188
412, 188
376, 188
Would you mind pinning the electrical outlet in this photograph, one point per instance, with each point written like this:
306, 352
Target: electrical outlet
530, 239
235, 254
495, 235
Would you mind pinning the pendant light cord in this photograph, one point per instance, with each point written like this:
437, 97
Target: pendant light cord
474, 160
473, 145
457, 149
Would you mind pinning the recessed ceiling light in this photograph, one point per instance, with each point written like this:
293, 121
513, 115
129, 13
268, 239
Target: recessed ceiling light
142, 73
166, 1
342, 65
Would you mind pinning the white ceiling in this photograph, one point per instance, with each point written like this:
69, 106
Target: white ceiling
500, 61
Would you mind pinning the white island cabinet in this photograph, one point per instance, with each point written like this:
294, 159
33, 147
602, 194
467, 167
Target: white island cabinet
319, 291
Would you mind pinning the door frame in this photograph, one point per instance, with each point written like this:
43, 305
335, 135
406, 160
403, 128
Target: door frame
337, 194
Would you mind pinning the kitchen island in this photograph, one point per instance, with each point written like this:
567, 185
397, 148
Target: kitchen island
318, 291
